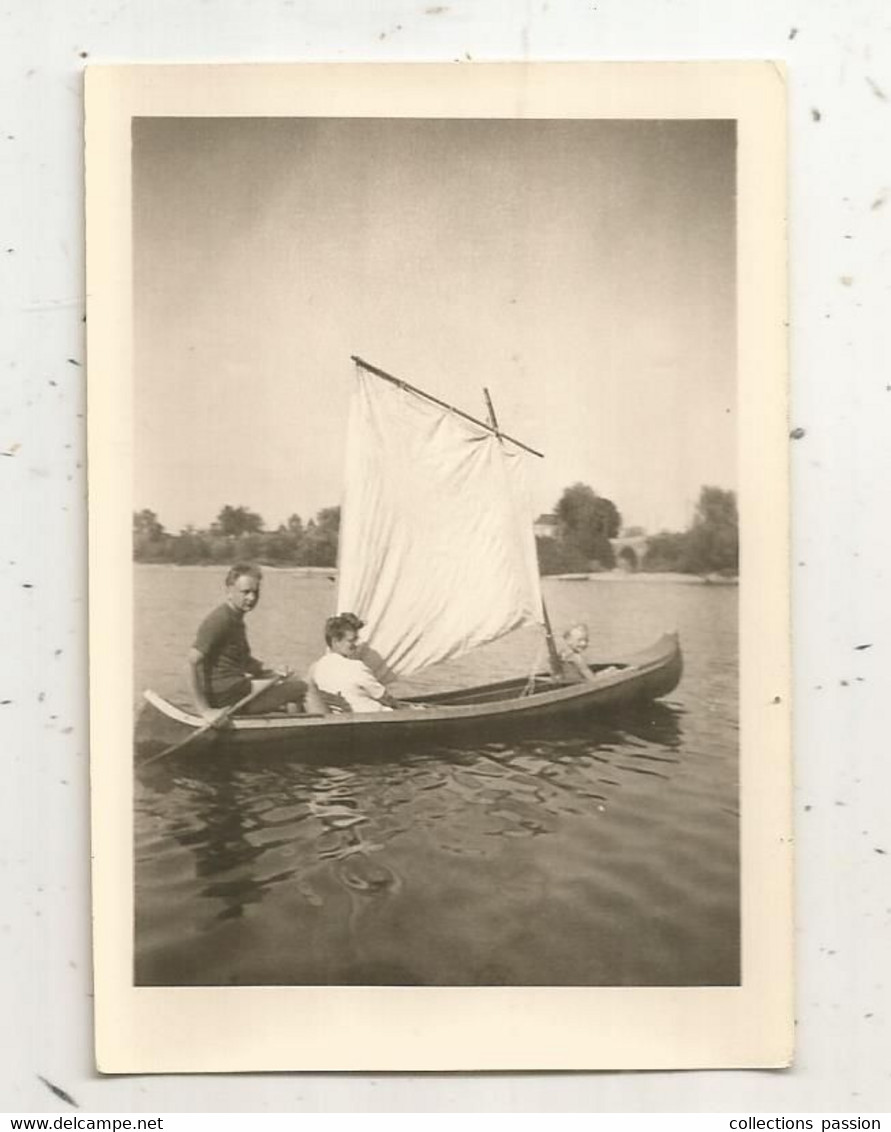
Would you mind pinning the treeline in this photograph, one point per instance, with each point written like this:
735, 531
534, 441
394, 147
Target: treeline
577, 538
585, 524
238, 535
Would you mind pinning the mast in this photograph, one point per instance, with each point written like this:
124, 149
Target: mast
553, 655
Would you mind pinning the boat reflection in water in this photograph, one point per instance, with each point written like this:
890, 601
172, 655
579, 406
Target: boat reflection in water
445, 866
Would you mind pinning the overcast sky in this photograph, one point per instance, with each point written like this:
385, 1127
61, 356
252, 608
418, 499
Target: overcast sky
583, 271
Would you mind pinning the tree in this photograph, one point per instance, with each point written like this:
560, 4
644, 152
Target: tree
586, 523
150, 541
146, 526
237, 521
714, 535
555, 558
294, 526
190, 547
667, 551
329, 519
249, 547
710, 545
321, 538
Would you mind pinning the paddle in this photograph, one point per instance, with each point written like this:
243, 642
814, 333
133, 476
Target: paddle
231, 710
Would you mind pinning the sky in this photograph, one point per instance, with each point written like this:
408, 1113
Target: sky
582, 271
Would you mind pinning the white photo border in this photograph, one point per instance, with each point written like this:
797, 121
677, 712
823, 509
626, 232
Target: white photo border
203, 1029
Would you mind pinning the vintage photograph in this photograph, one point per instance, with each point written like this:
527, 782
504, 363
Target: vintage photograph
439, 607
436, 552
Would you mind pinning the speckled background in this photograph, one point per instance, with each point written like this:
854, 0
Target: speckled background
839, 68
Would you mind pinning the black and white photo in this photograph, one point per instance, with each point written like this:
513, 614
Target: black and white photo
435, 438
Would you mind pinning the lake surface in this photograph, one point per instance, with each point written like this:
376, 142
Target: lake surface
607, 856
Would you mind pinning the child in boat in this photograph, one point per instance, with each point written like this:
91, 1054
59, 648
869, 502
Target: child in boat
345, 682
572, 653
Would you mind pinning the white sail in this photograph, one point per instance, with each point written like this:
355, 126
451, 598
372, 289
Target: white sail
437, 553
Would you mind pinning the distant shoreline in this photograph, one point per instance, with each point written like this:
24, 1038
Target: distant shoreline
222, 567
644, 576
611, 576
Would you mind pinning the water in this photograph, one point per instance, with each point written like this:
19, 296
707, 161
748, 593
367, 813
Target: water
604, 857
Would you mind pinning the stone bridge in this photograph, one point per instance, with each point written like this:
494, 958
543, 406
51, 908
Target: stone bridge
629, 550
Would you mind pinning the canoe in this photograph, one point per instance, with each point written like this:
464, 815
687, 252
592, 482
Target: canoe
487, 711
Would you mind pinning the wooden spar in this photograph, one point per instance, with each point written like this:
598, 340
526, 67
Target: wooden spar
493, 420
553, 655
442, 404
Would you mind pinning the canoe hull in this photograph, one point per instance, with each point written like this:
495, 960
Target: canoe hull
483, 712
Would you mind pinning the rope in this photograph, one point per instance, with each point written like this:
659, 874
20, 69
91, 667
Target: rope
530, 682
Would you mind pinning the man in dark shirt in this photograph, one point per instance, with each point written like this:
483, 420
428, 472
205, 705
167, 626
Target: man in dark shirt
221, 668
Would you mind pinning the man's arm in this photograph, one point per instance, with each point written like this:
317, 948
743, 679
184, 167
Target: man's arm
199, 692
256, 669
372, 687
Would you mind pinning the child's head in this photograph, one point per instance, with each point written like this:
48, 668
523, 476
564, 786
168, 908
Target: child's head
342, 632
576, 637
